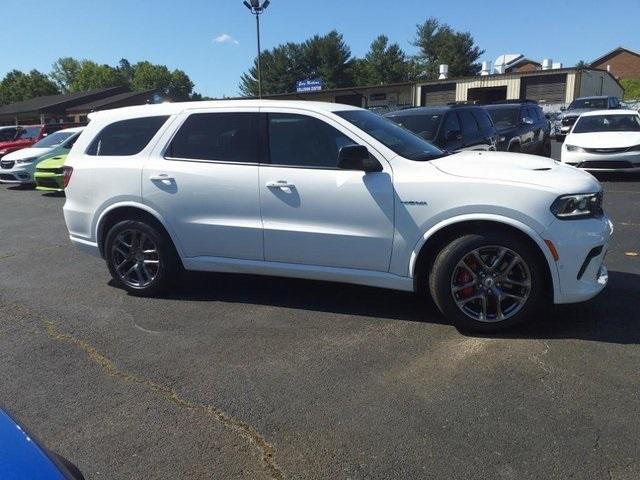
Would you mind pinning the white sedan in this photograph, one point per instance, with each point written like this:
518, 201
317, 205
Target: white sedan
604, 141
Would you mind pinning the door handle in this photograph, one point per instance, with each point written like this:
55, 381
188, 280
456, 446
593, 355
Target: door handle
280, 184
160, 177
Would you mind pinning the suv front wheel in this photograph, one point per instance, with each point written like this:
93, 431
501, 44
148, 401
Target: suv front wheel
487, 281
141, 258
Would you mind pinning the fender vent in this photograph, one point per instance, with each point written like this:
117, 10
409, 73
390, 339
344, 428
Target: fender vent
541, 169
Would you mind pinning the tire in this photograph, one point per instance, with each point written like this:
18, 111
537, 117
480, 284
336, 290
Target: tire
545, 149
515, 148
524, 281
142, 270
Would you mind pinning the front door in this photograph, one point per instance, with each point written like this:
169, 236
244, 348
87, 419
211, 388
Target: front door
314, 213
205, 184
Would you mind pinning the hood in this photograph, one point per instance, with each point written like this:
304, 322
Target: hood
26, 153
15, 143
575, 112
518, 168
53, 162
604, 139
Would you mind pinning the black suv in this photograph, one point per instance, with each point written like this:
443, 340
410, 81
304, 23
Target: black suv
522, 127
451, 127
568, 116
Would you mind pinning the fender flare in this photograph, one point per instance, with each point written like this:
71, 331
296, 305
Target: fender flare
524, 228
139, 206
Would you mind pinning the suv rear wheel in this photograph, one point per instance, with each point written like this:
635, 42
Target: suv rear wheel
141, 258
487, 282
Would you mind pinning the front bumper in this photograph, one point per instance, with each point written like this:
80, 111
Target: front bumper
581, 274
599, 162
18, 173
49, 181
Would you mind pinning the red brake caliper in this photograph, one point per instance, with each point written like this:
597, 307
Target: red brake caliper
465, 277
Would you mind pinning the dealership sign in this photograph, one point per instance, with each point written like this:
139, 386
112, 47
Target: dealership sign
312, 85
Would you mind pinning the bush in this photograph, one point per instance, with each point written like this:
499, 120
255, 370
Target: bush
631, 89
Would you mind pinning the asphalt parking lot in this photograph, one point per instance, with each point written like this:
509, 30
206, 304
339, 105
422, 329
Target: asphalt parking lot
257, 377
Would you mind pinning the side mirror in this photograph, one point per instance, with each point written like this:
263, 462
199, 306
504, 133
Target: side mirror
453, 135
527, 121
356, 157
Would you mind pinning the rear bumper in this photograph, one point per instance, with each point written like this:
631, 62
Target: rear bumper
86, 246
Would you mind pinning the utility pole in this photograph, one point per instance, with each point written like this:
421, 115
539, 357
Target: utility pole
257, 7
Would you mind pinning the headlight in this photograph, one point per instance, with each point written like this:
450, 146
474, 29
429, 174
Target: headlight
26, 160
569, 207
573, 148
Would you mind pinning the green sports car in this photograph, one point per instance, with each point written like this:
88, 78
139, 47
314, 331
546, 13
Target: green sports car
49, 176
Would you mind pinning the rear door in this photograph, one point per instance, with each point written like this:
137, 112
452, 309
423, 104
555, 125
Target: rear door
203, 180
528, 137
488, 135
450, 136
472, 136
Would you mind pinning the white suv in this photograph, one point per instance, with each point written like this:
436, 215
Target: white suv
332, 192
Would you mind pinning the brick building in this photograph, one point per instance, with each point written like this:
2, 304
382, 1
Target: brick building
622, 62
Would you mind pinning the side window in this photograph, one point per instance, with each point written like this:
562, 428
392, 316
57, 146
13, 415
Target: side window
469, 124
483, 120
451, 123
226, 137
303, 141
127, 137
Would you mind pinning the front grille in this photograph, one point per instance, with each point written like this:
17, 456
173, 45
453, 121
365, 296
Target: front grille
606, 150
4, 176
603, 164
7, 164
48, 183
57, 171
568, 121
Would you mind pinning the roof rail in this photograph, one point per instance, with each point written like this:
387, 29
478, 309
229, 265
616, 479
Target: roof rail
462, 103
525, 100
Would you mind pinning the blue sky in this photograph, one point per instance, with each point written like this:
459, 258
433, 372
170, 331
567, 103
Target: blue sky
181, 34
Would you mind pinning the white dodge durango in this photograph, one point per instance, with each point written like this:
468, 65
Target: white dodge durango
336, 193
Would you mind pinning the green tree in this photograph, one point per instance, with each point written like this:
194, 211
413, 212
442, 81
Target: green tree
17, 86
64, 72
326, 57
440, 44
91, 76
383, 63
181, 86
631, 88
126, 71
581, 65
148, 75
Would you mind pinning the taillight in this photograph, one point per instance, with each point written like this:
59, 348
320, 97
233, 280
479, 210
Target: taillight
67, 171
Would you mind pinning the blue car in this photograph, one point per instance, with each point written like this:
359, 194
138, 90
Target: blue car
22, 458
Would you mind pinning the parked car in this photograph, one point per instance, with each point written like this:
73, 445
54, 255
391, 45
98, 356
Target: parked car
604, 141
28, 135
331, 192
8, 133
49, 176
568, 116
522, 127
19, 166
23, 457
452, 128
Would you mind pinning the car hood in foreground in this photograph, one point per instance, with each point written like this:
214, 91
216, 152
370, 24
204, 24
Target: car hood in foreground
518, 168
53, 162
604, 139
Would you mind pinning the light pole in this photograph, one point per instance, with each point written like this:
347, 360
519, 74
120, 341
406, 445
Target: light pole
257, 7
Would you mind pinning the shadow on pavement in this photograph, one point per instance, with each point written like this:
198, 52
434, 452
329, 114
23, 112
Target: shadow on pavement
617, 177
612, 317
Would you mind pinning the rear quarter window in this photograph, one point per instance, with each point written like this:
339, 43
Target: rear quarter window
483, 120
127, 137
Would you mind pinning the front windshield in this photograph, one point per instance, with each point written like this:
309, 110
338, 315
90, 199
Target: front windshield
395, 137
588, 103
608, 123
53, 140
504, 116
27, 133
425, 125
